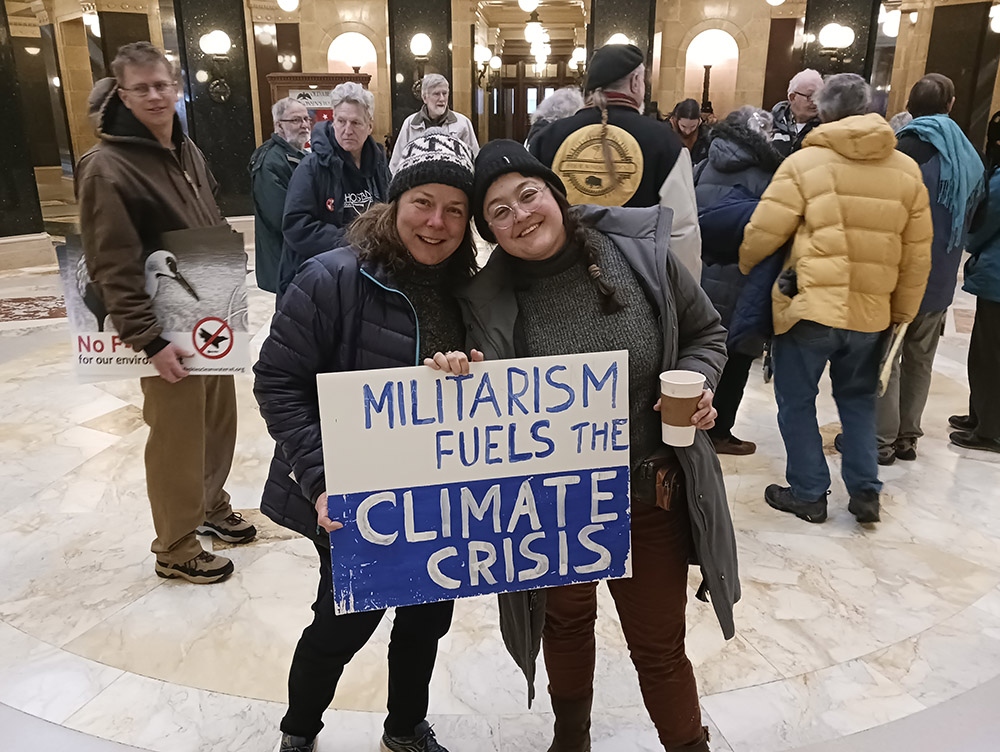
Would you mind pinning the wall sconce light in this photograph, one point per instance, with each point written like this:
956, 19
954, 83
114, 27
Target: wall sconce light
93, 23
216, 45
420, 46
995, 19
618, 38
287, 62
56, 82
528, 6
833, 36
33, 50
775, 3
288, 5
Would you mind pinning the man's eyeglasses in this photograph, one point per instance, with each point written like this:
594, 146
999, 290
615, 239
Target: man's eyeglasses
502, 216
144, 90
303, 119
804, 96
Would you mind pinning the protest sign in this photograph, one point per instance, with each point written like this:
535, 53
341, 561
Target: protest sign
197, 282
513, 477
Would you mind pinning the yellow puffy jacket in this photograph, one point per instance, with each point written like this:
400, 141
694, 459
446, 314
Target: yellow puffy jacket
861, 221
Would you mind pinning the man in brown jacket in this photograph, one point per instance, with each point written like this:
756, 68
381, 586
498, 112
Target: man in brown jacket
143, 179
858, 213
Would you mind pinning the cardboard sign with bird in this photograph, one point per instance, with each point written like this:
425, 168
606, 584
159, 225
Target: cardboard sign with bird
196, 280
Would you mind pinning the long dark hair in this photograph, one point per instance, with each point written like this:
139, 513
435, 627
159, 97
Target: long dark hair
375, 237
582, 236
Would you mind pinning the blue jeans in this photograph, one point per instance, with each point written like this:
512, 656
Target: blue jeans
800, 355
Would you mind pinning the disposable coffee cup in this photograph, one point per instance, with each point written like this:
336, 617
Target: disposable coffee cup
680, 393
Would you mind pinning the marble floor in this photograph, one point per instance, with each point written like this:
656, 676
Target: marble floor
842, 628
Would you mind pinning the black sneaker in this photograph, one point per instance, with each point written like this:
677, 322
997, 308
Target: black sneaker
864, 506
972, 440
962, 422
291, 743
905, 449
203, 569
782, 499
233, 529
422, 741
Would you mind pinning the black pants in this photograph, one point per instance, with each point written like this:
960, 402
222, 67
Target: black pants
984, 369
730, 393
329, 643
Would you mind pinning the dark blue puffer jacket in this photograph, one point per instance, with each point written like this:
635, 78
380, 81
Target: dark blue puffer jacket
737, 157
315, 220
338, 314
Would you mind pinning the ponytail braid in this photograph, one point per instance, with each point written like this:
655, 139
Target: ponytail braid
600, 101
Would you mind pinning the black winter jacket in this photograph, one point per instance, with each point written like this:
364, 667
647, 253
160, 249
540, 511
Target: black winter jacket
338, 314
271, 167
314, 219
737, 156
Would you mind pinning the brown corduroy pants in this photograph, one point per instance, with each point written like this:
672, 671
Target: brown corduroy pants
189, 452
651, 607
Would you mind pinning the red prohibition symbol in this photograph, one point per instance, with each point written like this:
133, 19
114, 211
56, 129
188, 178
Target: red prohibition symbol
213, 338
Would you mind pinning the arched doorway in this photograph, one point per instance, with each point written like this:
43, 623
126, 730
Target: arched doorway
718, 49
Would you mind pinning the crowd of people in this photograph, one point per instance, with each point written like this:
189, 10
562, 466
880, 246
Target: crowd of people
814, 234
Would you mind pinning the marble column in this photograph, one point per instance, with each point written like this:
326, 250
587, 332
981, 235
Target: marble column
217, 95
636, 19
20, 212
862, 18
407, 18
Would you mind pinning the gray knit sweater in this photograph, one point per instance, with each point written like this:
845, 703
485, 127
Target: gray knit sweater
560, 313
439, 318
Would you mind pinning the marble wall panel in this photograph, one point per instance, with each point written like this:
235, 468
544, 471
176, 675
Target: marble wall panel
20, 213
407, 18
223, 130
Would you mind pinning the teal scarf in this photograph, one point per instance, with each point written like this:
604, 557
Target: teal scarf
961, 180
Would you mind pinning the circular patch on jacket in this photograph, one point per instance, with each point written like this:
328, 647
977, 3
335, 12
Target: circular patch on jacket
581, 164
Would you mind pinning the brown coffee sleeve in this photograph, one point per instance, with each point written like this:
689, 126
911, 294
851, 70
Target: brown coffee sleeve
677, 411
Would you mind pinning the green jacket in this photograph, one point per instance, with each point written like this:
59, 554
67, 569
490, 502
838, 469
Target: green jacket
271, 167
693, 339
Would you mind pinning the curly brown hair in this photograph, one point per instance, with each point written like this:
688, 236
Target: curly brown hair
375, 238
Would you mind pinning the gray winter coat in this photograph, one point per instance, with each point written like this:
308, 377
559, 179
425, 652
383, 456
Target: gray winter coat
693, 339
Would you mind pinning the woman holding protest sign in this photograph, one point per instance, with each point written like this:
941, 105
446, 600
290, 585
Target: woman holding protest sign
589, 279
386, 301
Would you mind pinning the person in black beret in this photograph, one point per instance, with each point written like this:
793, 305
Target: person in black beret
608, 154
584, 279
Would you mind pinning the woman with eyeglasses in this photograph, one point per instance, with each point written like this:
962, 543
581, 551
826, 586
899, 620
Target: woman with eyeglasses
386, 300
591, 279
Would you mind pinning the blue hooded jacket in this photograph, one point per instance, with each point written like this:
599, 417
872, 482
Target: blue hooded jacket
982, 270
728, 186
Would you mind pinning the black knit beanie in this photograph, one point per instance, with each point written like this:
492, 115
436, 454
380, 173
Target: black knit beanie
496, 159
611, 63
435, 157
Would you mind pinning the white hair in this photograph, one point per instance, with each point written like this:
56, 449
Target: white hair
804, 78
433, 81
754, 118
843, 95
559, 104
354, 93
281, 107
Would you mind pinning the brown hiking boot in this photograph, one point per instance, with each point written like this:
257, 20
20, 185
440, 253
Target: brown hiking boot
203, 569
572, 726
233, 529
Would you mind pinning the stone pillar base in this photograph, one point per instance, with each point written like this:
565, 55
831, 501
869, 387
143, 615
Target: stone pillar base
19, 251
